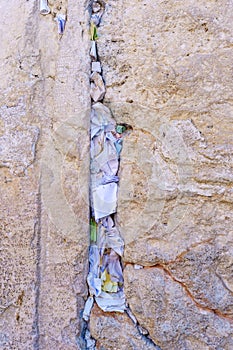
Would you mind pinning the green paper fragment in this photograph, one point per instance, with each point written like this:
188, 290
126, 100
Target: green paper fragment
120, 129
93, 230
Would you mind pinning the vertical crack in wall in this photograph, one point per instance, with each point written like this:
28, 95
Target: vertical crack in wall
141, 330
105, 278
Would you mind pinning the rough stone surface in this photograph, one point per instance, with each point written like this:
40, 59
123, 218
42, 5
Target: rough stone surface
44, 167
167, 66
116, 331
168, 75
174, 318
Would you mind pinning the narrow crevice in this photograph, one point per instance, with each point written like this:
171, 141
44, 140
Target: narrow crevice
90, 341
105, 277
106, 245
141, 330
85, 340
37, 233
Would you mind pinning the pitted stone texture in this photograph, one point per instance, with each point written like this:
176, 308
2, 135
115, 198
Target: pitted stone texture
202, 271
113, 331
44, 168
18, 259
163, 54
64, 184
172, 316
168, 72
20, 136
175, 190
168, 75
19, 176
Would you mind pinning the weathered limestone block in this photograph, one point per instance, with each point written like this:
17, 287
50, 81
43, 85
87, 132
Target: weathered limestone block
167, 71
20, 136
19, 180
44, 170
64, 252
171, 314
201, 270
17, 261
64, 186
116, 331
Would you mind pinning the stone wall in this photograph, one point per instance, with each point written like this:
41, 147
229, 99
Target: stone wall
168, 74
44, 176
